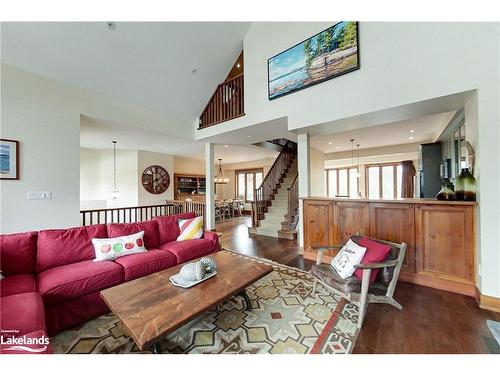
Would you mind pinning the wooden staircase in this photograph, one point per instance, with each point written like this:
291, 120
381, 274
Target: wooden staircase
275, 206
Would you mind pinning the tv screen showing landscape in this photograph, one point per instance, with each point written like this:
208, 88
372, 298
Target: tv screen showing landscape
326, 55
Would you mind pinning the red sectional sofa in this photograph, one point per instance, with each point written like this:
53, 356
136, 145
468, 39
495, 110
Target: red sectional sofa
52, 283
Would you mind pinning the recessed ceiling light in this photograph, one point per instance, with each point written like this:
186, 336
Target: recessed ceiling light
238, 65
111, 25
412, 131
410, 138
338, 147
329, 143
249, 136
226, 146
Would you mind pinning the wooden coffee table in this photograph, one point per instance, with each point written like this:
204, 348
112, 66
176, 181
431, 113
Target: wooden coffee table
151, 307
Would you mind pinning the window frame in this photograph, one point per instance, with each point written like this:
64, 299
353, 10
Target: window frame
246, 172
380, 182
336, 170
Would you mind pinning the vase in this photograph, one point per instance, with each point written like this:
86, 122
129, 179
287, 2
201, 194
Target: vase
469, 185
459, 186
446, 193
465, 186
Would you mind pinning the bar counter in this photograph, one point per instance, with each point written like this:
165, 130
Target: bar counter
440, 235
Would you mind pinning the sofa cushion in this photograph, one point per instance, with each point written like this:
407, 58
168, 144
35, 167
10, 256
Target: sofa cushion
58, 247
18, 253
116, 247
168, 226
17, 284
150, 228
138, 265
376, 252
189, 249
191, 229
73, 280
21, 314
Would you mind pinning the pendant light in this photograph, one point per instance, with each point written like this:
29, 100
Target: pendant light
219, 178
352, 152
357, 149
114, 191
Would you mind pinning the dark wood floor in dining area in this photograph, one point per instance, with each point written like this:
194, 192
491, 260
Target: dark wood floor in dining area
432, 321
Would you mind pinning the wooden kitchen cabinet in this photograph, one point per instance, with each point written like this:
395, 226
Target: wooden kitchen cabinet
444, 237
440, 235
318, 223
350, 218
395, 223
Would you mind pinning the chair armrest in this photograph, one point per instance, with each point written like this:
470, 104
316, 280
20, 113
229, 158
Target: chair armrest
328, 247
370, 266
321, 249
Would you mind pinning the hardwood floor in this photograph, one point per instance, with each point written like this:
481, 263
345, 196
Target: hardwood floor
432, 321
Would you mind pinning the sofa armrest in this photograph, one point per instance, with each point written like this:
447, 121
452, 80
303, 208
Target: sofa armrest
213, 237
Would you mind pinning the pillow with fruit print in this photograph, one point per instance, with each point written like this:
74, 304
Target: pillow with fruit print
112, 248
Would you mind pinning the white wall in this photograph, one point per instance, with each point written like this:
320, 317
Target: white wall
184, 165
44, 115
401, 64
96, 177
90, 181
126, 177
317, 173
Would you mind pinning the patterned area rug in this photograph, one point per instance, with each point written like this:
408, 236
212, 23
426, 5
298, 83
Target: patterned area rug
285, 318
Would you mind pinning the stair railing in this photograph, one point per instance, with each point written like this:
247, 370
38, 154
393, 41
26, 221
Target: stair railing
226, 103
264, 194
293, 203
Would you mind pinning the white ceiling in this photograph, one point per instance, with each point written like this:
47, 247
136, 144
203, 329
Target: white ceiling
425, 129
96, 133
144, 63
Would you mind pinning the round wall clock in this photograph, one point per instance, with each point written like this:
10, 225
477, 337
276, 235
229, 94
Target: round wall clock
155, 179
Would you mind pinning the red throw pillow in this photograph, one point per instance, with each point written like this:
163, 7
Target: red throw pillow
376, 252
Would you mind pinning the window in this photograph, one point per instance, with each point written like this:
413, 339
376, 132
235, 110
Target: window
247, 181
384, 180
342, 182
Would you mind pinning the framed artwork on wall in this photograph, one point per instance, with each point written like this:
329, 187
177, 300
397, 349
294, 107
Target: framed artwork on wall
331, 53
9, 159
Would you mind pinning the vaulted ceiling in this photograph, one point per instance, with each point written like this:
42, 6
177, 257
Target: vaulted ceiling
170, 68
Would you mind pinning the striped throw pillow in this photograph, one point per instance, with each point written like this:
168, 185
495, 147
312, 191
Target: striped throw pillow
191, 228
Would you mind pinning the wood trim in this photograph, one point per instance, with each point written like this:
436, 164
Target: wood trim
336, 170
438, 283
394, 177
246, 172
18, 160
489, 303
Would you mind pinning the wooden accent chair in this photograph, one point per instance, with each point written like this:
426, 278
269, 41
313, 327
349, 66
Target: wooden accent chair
361, 292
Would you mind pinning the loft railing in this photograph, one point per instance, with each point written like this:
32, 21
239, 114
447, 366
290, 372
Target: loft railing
139, 213
126, 214
264, 194
293, 203
189, 206
226, 103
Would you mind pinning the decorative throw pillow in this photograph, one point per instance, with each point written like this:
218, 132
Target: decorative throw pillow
350, 255
375, 252
191, 228
112, 248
